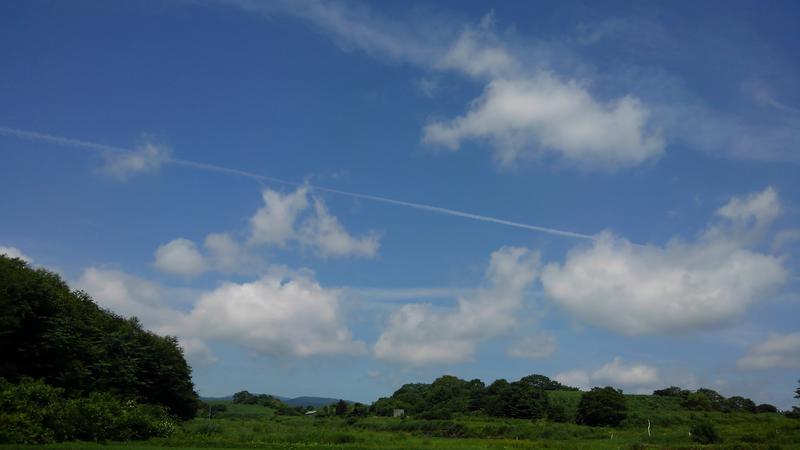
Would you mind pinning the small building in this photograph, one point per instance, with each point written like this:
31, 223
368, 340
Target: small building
399, 413
311, 413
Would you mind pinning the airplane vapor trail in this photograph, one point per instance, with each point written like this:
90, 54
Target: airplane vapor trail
75, 143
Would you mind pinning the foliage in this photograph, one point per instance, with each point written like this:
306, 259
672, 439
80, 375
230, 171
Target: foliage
602, 407
741, 404
64, 338
211, 410
542, 382
716, 400
766, 408
672, 391
34, 412
359, 410
557, 412
341, 408
255, 426
268, 401
704, 432
448, 396
697, 401
246, 398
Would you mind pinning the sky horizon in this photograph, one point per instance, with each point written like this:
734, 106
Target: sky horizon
337, 198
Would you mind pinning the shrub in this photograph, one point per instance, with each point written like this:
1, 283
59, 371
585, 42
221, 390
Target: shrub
601, 407
704, 432
556, 412
741, 404
697, 401
766, 408
33, 412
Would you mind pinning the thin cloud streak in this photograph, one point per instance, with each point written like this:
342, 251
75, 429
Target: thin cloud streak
75, 143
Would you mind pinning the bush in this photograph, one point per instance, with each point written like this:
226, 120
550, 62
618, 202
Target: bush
704, 432
556, 412
766, 408
601, 407
697, 401
33, 412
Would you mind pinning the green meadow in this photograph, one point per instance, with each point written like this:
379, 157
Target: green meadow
255, 426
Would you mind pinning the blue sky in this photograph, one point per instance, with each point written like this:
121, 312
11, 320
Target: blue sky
659, 145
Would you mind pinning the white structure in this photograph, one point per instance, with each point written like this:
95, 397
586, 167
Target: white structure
399, 413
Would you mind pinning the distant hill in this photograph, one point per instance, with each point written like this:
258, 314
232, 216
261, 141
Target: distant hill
314, 402
309, 401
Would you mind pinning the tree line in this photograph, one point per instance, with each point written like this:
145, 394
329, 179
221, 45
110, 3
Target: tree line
526, 398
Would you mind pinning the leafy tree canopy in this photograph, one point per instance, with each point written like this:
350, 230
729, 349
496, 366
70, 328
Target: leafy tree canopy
602, 407
50, 332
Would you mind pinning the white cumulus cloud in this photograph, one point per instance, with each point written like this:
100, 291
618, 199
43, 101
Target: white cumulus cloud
324, 232
274, 223
779, 350
638, 290
221, 252
527, 118
417, 335
129, 296
615, 373
288, 217
281, 314
180, 257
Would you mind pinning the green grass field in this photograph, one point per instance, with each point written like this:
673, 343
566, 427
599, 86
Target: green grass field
253, 426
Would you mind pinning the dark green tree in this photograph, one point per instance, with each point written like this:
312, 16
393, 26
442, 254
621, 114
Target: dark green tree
672, 391
341, 408
496, 401
718, 402
359, 410
704, 432
412, 397
448, 395
766, 408
741, 404
527, 401
61, 336
516, 400
244, 398
601, 407
796, 409
383, 406
697, 401
542, 382
477, 393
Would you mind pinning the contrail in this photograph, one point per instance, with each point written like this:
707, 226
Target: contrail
68, 142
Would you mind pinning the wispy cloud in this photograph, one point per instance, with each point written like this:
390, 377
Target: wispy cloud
146, 158
779, 350
525, 111
58, 140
